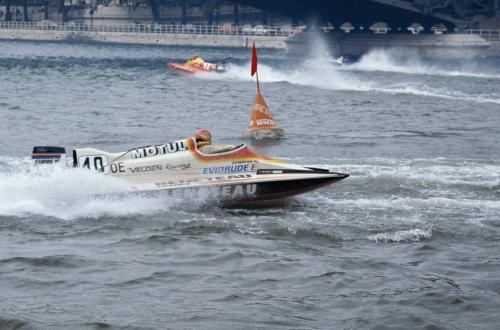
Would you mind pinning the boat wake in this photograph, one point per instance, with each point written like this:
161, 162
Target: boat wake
314, 73
401, 62
64, 193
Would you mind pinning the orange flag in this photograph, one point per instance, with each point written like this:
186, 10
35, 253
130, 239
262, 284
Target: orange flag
254, 59
261, 116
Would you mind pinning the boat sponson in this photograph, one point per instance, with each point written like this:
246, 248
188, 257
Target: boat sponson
287, 188
239, 192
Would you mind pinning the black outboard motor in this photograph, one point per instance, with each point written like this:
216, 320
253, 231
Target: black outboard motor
220, 67
48, 155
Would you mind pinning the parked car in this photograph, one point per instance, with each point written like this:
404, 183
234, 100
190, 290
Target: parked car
247, 29
47, 25
286, 30
260, 30
227, 28
273, 31
76, 26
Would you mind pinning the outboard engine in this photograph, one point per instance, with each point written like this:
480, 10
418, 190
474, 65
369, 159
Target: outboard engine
219, 67
48, 155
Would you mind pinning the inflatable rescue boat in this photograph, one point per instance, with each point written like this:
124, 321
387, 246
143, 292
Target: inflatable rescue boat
179, 168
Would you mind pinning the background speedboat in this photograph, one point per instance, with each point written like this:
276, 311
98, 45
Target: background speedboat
196, 67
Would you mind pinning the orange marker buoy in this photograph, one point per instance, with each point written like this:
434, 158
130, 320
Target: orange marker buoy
262, 124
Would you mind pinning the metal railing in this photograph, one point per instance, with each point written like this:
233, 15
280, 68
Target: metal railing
259, 30
225, 29
488, 35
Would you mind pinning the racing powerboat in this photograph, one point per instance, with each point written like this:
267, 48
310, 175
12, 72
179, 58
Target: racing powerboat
180, 168
196, 67
339, 61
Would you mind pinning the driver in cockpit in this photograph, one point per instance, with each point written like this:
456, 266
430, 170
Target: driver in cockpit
204, 143
195, 60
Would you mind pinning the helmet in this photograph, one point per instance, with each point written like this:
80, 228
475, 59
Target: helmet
203, 137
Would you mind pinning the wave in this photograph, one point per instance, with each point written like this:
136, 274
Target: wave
431, 171
316, 74
59, 261
439, 93
12, 323
475, 206
64, 193
402, 62
258, 223
412, 235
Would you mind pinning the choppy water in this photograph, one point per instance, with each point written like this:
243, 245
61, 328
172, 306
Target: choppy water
410, 240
